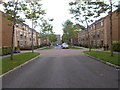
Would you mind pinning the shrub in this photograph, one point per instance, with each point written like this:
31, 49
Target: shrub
7, 50
25, 48
116, 46
28, 48
85, 45
95, 47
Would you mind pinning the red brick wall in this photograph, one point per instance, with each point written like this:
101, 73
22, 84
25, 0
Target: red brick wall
115, 28
6, 31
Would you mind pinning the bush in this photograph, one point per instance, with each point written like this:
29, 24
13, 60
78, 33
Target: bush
28, 48
85, 45
7, 50
25, 48
116, 46
95, 47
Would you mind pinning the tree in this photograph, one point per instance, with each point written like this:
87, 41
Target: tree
69, 31
84, 13
100, 7
52, 38
12, 8
33, 13
46, 30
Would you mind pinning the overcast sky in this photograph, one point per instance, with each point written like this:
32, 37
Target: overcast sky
59, 11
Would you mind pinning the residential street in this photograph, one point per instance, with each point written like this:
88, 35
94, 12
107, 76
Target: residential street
62, 68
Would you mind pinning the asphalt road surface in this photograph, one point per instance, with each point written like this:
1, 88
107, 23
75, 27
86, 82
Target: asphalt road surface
62, 68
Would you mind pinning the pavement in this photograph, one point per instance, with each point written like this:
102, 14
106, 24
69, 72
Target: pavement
62, 68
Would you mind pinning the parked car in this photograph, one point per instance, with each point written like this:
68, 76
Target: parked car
65, 46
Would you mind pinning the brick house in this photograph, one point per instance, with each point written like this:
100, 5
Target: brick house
6, 30
22, 35
99, 32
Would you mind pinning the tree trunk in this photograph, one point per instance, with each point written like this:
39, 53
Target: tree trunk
32, 38
13, 31
88, 39
12, 43
95, 35
111, 28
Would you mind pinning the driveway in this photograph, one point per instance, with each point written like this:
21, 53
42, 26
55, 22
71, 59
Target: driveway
62, 68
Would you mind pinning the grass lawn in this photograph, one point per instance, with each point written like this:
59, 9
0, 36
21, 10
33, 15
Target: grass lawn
105, 56
8, 64
73, 47
46, 48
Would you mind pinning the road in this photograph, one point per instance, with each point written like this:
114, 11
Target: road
62, 68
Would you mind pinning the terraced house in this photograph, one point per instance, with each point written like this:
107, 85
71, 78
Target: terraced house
99, 32
23, 33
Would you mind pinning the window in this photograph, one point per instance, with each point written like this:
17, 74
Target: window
25, 37
21, 36
21, 43
99, 42
93, 26
30, 39
98, 35
101, 23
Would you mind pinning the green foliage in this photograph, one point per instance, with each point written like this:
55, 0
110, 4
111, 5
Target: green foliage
69, 31
105, 56
28, 48
116, 46
13, 9
86, 10
7, 50
47, 31
33, 11
82, 11
8, 64
52, 37
118, 12
46, 27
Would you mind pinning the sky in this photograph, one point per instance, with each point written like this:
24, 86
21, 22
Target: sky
59, 11
56, 9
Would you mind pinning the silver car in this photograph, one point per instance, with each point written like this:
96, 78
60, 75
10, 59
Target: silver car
65, 46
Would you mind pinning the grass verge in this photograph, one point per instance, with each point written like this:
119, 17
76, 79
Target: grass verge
105, 56
8, 64
73, 47
46, 48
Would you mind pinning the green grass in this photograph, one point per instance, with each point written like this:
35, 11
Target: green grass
73, 47
105, 56
46, 48
8, 64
